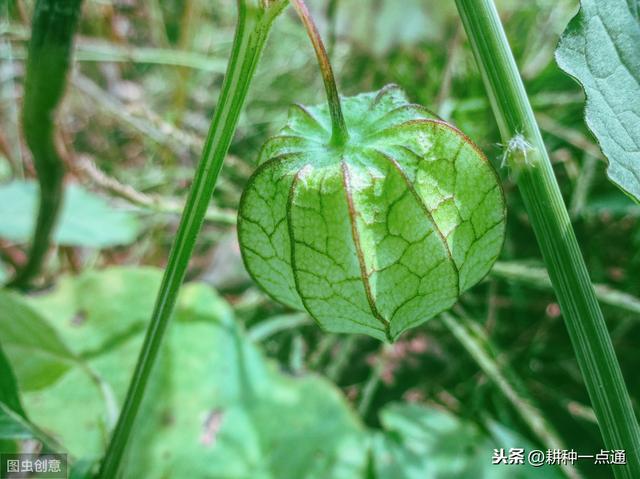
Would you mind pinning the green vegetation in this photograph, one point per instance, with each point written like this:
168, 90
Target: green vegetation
601, 43
342, 217
420, 206
50, 48
527, 157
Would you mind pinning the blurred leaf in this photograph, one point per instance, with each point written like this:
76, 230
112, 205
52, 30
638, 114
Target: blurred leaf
200, 302
9, 395
91, 327
37, 354
12, 425
425, 442
215, 407
12, 417
600, 49
86, 218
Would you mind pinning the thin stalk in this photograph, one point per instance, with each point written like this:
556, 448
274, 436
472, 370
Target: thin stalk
342, 357
296, 356
84, 167
339, 133
528, 159
539, 278
326, 343
276, 324
373, 381
254, 23
50, 49
583, 185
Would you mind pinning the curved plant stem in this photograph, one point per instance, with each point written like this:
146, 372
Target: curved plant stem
50, 49
254, 23
528, 159
339, 134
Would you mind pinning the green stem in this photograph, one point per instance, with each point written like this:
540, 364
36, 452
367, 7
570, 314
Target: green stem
254, 23
529, 161
51, 46
269, 327
539, 278
339, 134
326, 343
341, 361
373, 381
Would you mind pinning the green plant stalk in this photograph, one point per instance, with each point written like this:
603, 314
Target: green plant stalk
373, 381
528, 159
253, 25
340, 362
50, 49
339, 133
276, 324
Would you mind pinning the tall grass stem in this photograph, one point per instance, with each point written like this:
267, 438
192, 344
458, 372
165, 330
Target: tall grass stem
528, 161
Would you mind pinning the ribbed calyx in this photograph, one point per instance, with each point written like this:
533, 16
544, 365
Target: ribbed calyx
380, 234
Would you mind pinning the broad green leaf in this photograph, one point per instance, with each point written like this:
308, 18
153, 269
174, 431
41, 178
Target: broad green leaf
76, 410
421, 442
378, 235
86, 218
14, 424
245, 420
215, 406
91, 327
600, 49
38, 356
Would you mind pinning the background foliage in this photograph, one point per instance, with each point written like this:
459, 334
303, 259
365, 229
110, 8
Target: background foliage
245, 387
